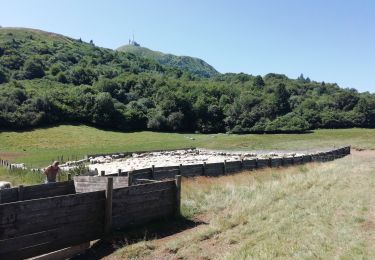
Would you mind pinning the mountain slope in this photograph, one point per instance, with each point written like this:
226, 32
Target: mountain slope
46, 78
194, 65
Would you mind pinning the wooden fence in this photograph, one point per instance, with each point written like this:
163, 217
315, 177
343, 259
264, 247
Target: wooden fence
36, 191
5, 163
226, 167
38, 219
33, 227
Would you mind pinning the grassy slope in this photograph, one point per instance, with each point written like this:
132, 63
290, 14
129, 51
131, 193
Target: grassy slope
38, 147
317, 211
194, 65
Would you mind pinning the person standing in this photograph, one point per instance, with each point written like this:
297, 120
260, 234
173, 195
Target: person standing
51, 172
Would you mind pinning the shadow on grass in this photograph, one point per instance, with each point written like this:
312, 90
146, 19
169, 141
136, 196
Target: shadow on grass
122, 238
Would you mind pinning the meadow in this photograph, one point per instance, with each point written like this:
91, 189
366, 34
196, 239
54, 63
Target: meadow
317, 210
314, 211
39, 147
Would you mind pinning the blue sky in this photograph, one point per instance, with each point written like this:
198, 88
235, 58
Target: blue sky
331, 40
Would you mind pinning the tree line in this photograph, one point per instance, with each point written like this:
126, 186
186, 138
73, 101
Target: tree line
48, 79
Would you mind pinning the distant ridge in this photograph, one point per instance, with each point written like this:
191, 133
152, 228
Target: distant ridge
194, 65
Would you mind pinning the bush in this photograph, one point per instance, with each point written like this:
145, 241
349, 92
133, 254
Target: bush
288, 123
33, 68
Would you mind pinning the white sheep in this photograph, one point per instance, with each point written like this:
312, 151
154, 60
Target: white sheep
5, 185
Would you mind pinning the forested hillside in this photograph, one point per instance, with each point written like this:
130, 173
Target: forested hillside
47, 78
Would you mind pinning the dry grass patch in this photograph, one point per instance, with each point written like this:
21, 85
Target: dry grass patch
313, 211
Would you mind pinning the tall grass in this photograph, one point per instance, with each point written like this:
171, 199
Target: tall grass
316, 211
24, 177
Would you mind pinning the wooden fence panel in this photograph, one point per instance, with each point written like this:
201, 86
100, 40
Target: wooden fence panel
96, 183
8, 195
276, 162
306, 158
38, 191
249, 164
139, 204
329, 156
288, 161
145, 173
233, 166
261, 163
34, 227
192, 170
161, 173
298, 159
214, 169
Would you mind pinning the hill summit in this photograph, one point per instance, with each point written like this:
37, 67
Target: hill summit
194, 65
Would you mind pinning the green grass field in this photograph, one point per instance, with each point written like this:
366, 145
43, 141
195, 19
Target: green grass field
40, 146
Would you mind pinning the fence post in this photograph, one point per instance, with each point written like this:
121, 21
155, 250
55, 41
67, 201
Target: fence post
256, 163
180, 169
108, 207
20, 192
153, 172
130, 178
178, 195
102, 173
204, 169
69, 177
241, 163
225, 167
119, 172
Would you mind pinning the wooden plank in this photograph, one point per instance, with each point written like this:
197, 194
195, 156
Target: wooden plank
166, 168
233, 166
287, 161
144, 170
142, 175
46, 203
10, 212
100, 179
298, 159
249, 164
142, 188
89, 187
140, 200
261, 163
214, 169
9, 195
143, 210
56, 185
137, 218
160, 175
192, 170
178, 195
48, 219
54, 239
108, 207
61, 232
65, 253
48, 190
306, 158
276, 162
38, 191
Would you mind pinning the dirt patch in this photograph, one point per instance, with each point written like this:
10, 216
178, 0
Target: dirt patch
11, 156
366, 154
